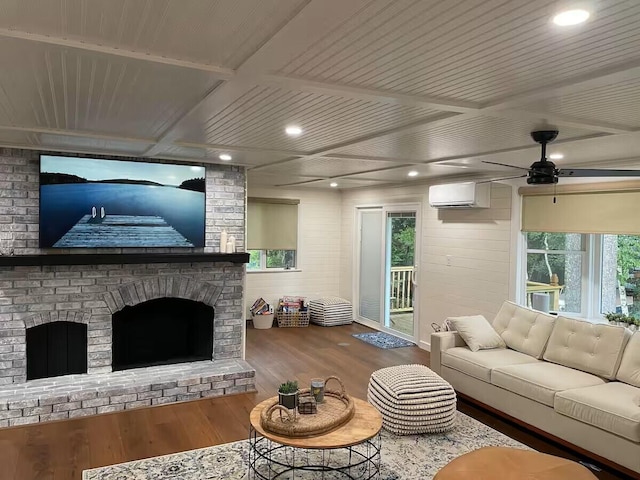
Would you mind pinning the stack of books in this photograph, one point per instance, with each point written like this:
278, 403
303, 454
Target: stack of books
260, 307
292, 304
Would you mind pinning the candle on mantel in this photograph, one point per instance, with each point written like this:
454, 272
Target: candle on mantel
223, 241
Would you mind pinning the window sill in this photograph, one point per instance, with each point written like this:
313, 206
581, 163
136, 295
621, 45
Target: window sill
275, 270
576, 316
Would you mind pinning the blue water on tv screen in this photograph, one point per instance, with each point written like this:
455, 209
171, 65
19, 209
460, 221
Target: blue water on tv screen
95, 203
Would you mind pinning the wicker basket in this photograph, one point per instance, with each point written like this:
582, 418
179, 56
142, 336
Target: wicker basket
293, 319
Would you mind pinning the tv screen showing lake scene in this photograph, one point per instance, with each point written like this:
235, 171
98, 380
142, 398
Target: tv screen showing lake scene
91, 203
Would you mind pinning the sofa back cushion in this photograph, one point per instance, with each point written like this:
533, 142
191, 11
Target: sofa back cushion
522, 329
629, 371
595, 348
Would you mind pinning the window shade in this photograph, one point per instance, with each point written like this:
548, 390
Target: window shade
272, 224
614, 212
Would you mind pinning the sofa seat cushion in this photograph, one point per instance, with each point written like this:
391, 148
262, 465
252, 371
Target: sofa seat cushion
479, 364
612, 407
542, 380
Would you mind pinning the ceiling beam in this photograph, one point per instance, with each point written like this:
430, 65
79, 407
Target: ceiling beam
401, 160
82, 150
232, 148
557, 119
369, 94
77, 133
221, 73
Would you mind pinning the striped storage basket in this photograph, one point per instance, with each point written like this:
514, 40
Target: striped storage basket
330, 311
412, 399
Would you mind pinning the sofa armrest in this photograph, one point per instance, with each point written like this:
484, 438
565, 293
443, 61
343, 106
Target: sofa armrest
440, 342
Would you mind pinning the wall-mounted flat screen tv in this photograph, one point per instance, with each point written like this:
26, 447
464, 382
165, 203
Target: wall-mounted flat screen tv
96, 203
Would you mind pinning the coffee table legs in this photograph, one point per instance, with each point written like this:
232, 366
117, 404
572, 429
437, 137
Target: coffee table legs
271, 460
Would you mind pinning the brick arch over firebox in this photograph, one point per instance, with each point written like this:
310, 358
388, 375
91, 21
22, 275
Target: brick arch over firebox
41, 318
176, 286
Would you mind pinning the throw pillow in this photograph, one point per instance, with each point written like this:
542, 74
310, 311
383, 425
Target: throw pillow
477, 332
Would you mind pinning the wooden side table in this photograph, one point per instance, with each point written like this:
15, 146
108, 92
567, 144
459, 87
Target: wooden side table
489, 463
351, 450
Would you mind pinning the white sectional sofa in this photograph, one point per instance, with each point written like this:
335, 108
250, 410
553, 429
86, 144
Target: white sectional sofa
576, 380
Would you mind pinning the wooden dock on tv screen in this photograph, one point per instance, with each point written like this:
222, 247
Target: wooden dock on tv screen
122, 231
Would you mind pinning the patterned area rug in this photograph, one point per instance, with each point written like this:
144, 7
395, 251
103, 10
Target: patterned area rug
383, 340
403, 457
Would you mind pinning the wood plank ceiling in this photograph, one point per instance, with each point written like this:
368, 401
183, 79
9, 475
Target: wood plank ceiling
379, 87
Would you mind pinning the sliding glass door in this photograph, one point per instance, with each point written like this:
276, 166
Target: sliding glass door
370, 265
401, 271
386, 265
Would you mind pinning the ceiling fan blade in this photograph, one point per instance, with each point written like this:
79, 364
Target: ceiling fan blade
502, 178
505, 165
593, 172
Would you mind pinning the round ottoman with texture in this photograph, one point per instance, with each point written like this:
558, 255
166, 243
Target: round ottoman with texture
489, 463
412, 399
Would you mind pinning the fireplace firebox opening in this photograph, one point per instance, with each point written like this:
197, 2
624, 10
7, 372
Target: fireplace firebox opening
162, 331
57, 348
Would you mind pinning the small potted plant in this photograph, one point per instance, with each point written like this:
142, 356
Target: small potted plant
288, 394
622, 320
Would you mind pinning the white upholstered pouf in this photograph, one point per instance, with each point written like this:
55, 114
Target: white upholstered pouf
412, 399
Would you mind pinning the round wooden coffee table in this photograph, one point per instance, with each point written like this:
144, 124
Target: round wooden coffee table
507, 463
351, 450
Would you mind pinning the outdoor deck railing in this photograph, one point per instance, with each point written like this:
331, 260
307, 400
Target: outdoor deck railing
401, 289
553, 291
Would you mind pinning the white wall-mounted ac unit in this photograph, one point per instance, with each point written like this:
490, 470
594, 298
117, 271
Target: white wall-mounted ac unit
460, 195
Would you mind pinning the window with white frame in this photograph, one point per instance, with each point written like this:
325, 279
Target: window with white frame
583, 252
272, 233
584, 274
555, 266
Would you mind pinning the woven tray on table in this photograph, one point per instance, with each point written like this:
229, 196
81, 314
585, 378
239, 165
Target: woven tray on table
336, 410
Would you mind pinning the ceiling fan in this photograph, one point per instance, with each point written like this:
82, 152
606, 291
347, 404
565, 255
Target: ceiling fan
544, 172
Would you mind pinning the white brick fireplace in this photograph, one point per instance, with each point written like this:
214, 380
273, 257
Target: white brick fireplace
90, 293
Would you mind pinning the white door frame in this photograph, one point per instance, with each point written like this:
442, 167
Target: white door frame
385, 209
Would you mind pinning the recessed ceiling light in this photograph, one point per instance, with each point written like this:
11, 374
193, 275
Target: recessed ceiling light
570, 17
333, 184
293, 130
556, 156
413, 173
225, 156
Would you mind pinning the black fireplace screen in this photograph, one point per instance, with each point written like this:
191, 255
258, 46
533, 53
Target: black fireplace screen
57, 348
162, 331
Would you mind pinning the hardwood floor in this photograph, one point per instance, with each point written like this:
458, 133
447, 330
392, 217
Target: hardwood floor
61, 450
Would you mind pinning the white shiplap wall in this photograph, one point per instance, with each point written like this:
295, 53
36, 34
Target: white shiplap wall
318, 249
478, 240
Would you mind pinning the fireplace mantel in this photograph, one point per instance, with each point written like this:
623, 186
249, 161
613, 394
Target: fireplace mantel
119, 258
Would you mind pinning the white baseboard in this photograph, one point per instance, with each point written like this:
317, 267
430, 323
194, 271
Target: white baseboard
425, 345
